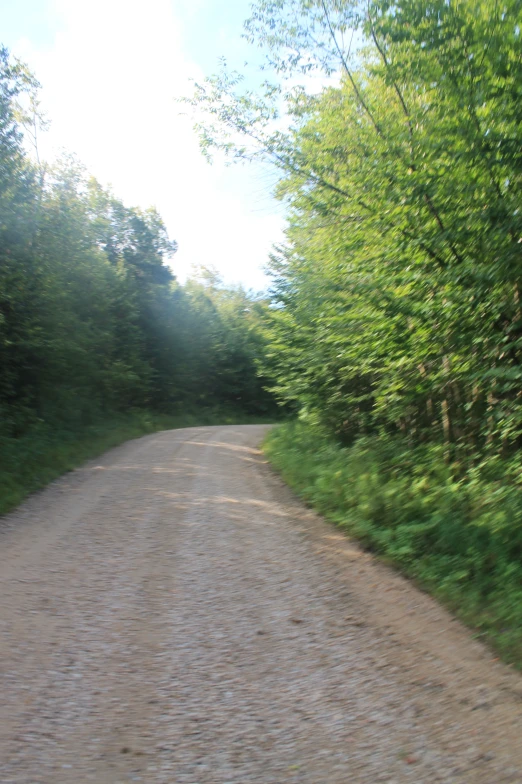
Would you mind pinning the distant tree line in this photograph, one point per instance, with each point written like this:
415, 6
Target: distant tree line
92, 319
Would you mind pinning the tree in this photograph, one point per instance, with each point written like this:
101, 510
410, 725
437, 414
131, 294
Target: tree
92, 320
399, 290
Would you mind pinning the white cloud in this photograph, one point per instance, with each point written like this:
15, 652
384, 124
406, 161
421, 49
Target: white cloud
109, 83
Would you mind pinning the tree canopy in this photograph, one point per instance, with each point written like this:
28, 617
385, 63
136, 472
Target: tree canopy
397, 292
92, 319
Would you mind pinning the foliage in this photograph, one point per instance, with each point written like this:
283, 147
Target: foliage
397, 293
395, 326
458, 534
93, 324
220, 337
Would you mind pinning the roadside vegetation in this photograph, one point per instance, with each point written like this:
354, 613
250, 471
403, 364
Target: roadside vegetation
98, 341
457, 533
395, 329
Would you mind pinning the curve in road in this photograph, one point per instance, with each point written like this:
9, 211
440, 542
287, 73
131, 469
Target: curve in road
171, 613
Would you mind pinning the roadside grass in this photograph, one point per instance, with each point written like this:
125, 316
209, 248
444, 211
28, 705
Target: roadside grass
44, 453
456, 532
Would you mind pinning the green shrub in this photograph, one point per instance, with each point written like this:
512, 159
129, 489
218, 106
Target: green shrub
457, 533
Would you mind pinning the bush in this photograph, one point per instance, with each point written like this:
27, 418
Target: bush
457, 532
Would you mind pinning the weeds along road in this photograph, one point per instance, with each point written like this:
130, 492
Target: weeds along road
170, 613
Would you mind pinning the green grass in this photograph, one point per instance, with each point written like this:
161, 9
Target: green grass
44, 453
456, 532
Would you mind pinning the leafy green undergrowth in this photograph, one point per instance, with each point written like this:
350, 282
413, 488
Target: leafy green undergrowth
32, 461
457, 533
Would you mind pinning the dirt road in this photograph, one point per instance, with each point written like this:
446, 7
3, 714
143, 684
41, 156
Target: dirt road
170, 613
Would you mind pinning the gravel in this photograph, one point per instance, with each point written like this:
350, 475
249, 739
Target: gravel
171, 613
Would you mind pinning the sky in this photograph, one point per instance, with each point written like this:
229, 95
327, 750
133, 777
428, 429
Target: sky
110, 72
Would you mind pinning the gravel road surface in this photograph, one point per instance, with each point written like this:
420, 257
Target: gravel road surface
171, 613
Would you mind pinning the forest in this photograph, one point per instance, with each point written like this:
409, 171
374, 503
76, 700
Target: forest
393, 327
396, 321
98, 341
